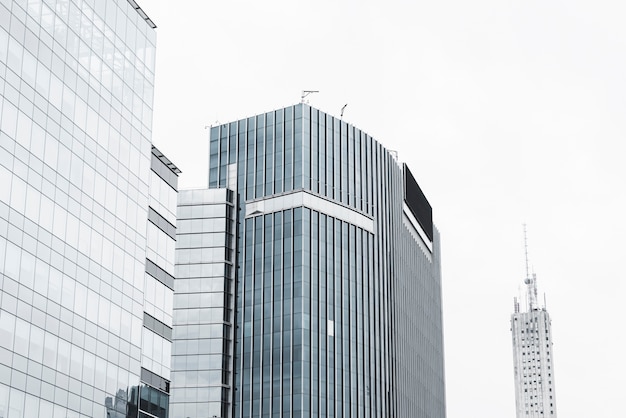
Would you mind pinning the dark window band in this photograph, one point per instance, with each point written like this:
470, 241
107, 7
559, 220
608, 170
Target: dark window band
164, 168
155, 380
159, 274
143, 14
157, 326
161, 223
417, 202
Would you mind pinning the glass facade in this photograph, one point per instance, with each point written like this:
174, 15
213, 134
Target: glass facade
85, 252
337, 278
202, 361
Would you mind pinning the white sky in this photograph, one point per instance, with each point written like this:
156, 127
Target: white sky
506, 111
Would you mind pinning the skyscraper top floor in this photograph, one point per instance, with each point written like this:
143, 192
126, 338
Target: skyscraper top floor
302, 148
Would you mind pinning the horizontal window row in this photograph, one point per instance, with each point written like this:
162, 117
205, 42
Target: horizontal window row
201, 316
199, 378
195, 226
204, 240
155, 380
202, 270
157, 326
202, 285
203, 255
190, 332
162, 223
158, 273
201, 362
200, 346
205, 211
202, 300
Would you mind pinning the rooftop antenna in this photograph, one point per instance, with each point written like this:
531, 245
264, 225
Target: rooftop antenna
530, 281
342, 109
306, 93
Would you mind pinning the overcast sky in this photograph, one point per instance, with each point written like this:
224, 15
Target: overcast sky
506, 112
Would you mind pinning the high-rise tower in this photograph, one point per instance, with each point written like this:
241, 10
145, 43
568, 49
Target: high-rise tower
533, 363
87, 214
308, 279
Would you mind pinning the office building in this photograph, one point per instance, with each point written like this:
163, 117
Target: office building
307, 278
533, 361
87, 214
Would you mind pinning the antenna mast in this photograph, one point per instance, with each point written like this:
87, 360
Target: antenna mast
306, 93
342, 109
531, 282
526, 252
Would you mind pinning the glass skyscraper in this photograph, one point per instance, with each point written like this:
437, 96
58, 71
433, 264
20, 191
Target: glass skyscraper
307, 278
87, 214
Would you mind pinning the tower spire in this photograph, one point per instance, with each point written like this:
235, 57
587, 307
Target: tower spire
530, 281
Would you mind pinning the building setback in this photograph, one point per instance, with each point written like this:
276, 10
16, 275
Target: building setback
533, 363
307, 278
87, 214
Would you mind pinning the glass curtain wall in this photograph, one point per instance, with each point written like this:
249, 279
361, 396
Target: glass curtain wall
307, 300
295, 148
76, 85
